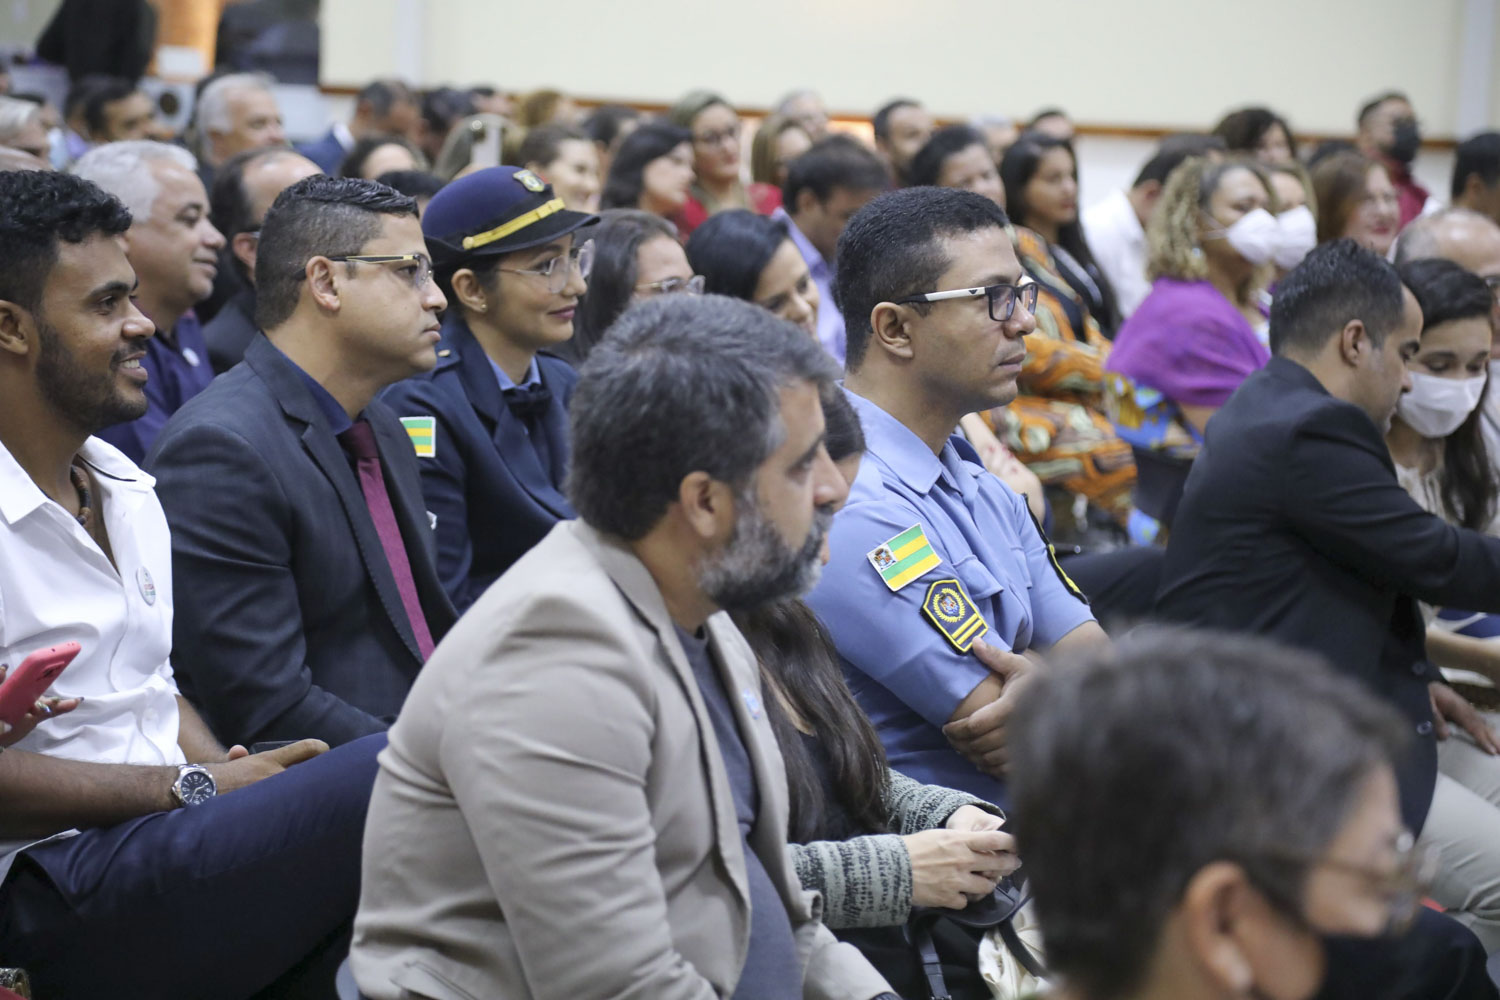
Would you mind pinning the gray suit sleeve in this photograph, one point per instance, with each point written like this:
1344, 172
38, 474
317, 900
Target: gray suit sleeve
237, 626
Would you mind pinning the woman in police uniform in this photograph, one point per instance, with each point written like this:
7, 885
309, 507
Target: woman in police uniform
489, 424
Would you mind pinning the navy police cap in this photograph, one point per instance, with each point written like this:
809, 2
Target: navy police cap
494, 211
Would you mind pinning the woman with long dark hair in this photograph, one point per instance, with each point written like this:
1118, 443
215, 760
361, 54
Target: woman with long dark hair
752, 257
652, 170
874, 842
1040, 175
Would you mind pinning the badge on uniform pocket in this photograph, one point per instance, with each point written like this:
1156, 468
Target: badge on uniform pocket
948, 606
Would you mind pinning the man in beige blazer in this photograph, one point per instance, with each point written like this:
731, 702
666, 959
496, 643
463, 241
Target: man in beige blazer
574, 804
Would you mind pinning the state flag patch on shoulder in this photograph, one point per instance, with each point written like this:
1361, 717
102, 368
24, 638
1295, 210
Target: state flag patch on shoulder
902, 559
948, 606
423, 434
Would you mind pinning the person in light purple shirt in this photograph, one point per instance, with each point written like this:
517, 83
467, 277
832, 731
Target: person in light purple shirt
1193, 340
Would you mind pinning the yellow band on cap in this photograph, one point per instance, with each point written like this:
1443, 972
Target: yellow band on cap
514, 225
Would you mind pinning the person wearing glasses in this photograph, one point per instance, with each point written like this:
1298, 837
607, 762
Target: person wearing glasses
719, 182
1206, 816
489, 424
636, 257
306, 596
935, 562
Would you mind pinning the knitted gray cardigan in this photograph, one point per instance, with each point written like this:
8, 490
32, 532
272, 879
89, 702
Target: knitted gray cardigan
866, 881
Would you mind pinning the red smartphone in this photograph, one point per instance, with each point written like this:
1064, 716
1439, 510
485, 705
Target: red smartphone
28, 682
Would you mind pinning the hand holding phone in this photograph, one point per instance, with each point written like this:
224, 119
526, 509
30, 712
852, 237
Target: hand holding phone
21, 704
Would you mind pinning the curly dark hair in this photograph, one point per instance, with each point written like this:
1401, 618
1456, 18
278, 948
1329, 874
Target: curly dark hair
38, 208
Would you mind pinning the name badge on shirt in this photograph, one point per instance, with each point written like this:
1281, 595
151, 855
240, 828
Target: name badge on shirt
948, 606
902, 559
147, 585
191, 357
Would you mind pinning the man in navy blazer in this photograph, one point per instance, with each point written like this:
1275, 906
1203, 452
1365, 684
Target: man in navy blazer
383, 107
302, 549
489, 425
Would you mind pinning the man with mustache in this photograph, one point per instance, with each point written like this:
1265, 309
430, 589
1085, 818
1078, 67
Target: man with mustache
589, 752
937, 568
308, 599
174, 249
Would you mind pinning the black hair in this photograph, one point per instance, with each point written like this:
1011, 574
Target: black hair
1369, 106
1336, 283
652, 141
82, 87
1327, 148
1173, 151
382, 96
412, 183
681, 384
732, 248
1133, 770
1243, 130
1478, 155
617, 238
892, 248
843, 434
1447, 291
927, 166
834, 162
881, 122
101, 91
1017, 168
1046, 113
543, 143
354, 163
38, 208
317, 216
229, 207
603, 123
443, 107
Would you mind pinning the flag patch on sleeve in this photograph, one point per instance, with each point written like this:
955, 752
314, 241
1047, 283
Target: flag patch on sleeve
948, 606
423, 434
902, 559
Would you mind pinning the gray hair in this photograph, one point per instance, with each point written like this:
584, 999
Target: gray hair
795, 96
211, 114
1419, 240
681, 384
121, 169
16, 115
991, 120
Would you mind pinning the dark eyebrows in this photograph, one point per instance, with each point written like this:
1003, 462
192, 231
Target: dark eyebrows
112, 288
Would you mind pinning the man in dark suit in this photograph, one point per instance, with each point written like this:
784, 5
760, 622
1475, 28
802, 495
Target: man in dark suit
244, 189
1293, 525
489, 425
302, 550
383, 107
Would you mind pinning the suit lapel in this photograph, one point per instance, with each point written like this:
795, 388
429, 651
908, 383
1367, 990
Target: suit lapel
279, 374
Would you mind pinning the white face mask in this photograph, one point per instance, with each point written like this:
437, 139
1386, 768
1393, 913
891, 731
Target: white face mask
1298, 232
1436, 406
1254, 236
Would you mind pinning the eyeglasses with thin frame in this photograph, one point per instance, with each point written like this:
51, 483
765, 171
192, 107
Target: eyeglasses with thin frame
1403, 885
712, 139
414, 267
557, 270
674, 285
1002, 298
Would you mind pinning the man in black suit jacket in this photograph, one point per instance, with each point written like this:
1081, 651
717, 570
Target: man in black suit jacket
308, 596
1292, 523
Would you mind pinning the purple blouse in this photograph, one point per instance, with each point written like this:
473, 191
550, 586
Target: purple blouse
1189, 343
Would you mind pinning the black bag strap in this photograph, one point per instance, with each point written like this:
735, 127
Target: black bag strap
932, 966
998, 911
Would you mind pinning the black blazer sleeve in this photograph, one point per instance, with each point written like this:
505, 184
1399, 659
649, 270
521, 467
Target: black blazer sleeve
238, 628
1344, 500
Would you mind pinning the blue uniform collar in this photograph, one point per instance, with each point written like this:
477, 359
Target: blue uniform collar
898, 447
533, 376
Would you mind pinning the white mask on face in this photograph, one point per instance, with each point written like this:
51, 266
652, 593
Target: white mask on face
1298, 232
1436, 406
1255, 236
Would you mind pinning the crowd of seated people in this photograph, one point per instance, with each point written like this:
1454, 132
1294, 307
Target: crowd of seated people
495, 526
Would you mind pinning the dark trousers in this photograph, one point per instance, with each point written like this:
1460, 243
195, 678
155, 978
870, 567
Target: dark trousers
1120, 583
250, 894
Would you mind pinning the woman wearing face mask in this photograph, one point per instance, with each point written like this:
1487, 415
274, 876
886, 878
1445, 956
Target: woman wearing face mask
751, 257
1297, 216
1438, 447
1192, 341
1057, 425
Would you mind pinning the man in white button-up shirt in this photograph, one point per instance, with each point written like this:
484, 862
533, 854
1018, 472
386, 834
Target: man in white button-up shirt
123, 859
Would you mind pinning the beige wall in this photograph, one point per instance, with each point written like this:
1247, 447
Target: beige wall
1177, 63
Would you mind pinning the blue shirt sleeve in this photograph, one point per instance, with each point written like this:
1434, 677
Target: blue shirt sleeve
1055, 609
884, 634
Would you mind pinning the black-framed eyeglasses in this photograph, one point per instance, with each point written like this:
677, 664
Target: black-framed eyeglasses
414, 267
557, 270
1403, 885
674, 285
1002, 298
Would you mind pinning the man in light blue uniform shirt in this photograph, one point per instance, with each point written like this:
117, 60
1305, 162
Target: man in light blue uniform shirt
939, 577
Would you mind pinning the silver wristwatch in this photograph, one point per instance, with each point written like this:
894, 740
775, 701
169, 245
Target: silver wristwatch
194, 785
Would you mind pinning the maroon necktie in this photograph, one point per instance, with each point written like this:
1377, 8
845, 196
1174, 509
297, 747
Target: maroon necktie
359, 441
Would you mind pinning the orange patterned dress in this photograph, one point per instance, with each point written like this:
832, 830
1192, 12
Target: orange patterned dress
1057, 424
